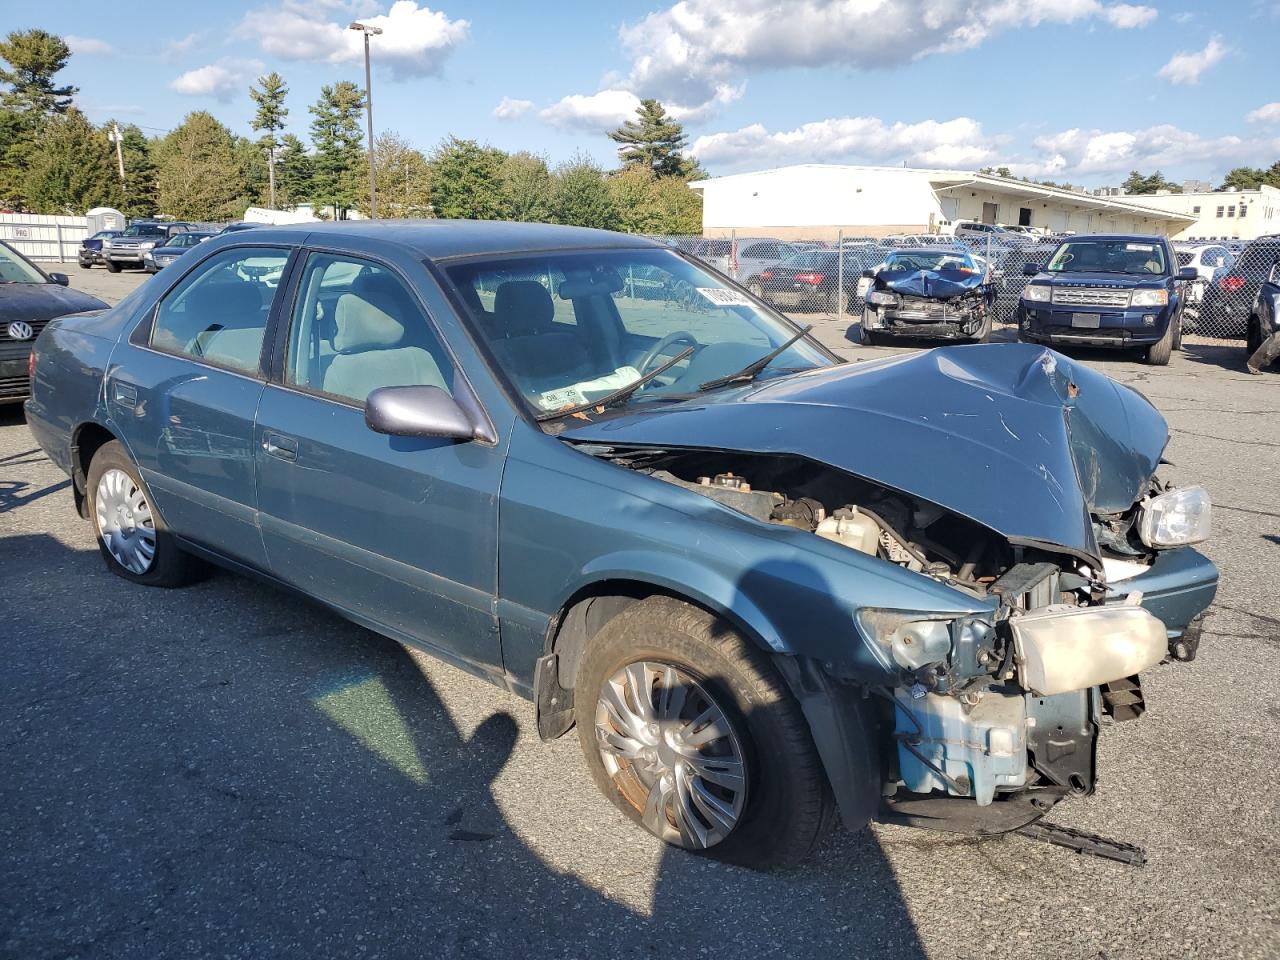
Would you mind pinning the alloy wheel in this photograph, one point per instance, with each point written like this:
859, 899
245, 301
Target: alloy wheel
672, 752
125, 522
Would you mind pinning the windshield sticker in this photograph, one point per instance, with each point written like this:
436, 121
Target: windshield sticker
565, 397
724, 297
1140, 247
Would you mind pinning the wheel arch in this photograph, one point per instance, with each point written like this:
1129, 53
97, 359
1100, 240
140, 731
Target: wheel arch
86, 440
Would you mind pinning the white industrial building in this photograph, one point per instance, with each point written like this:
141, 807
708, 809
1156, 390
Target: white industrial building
1223, 214
817, 201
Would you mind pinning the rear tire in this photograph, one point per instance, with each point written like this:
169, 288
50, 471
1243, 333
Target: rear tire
755, 793
132, 538
1158, 353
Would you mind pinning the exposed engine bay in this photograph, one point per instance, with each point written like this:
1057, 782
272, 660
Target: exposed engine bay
982, 707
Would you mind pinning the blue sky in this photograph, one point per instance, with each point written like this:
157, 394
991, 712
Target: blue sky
1079, 90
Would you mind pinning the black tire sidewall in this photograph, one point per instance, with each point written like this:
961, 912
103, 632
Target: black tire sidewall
170, 567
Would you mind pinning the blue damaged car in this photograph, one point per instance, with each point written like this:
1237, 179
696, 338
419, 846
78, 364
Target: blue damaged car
763, 584
1122, 292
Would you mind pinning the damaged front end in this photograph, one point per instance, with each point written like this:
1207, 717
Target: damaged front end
940, 304
1079, 576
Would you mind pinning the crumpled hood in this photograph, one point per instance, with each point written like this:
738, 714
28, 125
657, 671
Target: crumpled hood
1015, 436
42, 301
938, 284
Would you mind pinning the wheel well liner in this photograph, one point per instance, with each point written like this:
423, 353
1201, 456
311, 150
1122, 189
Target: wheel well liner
86, 441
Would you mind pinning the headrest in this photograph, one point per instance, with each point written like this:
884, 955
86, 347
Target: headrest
522, 307
362, 326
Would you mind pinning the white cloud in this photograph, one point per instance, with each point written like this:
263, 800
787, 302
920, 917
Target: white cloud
1267, 113
89, 46
592, 113
1127, 16
1098, 153
172, 49
224, 80
959, 142
509, 109
415, 40
1187, 66
691, 51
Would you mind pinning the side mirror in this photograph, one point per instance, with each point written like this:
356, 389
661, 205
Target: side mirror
1188, 273
417, 412
1031, 269
61, 279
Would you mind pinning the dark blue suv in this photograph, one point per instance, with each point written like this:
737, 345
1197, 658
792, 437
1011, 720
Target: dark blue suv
1107, 290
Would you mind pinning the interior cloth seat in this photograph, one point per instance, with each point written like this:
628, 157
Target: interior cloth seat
530, 344
371, 353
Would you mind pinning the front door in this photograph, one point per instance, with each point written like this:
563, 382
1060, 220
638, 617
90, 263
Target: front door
399, 531
185, 396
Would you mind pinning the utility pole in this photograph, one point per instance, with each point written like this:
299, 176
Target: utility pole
118, 138
368, 103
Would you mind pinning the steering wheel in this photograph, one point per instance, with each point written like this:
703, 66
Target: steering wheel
659, 349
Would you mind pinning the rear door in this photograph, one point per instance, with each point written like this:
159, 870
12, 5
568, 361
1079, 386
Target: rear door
185, 390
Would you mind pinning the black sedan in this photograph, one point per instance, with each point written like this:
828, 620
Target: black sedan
29, 298
90, 251
806, 281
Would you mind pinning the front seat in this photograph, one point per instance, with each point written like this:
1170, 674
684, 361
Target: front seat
371, 353
530, 344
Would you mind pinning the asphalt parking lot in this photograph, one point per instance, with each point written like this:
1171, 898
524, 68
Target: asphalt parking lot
227, 771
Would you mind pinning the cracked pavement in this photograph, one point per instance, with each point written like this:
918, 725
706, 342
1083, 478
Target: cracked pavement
228, 771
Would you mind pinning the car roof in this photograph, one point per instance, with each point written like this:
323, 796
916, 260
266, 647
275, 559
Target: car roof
443, 239
940, 248
1135, 237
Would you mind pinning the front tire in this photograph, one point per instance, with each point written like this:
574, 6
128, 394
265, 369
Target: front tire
690, 732
1159, 352
113, 267
132, 538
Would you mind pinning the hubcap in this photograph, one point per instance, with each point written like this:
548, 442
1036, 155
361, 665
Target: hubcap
124, 522
672, 753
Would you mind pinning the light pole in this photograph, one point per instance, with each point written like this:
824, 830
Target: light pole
368, 104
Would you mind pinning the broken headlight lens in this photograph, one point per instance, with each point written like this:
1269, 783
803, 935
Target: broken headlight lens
1149, 298
1037, 293
883, 298
1175, 518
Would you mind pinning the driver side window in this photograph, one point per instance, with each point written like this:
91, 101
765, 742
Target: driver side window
218, 314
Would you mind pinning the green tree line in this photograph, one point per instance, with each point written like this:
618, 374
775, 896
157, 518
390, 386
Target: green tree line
54, 160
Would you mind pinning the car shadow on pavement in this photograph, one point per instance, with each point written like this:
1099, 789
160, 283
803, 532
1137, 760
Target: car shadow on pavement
227, 770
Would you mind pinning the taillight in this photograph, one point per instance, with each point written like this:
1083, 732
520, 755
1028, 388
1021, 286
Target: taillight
1231, 284
814, 278
766, 274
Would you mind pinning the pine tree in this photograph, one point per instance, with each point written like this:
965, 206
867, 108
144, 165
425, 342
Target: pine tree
28, 98
293, 172
467, 181
580, 197
74, 170
33, 57
654, 141
526, 187
335, 134
269, 96
198, 174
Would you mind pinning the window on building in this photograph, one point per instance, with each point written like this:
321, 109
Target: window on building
1220, 209
1231, 211
1196, 211
1243, 211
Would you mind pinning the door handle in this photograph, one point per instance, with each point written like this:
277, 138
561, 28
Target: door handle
285, 448
126, 394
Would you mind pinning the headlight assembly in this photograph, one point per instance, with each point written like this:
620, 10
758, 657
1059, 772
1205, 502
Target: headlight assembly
883, 298
1149, 298
1175, 518
146, 246
913, 638
1037, 293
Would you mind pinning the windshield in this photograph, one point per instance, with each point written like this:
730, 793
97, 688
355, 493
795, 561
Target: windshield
931, 260
13, 269
143, 230
1109, 256
187, 239
571, 328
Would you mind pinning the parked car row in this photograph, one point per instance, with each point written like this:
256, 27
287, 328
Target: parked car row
764, 585
147, 244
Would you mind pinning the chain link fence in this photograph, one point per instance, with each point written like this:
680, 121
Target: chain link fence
822, 276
